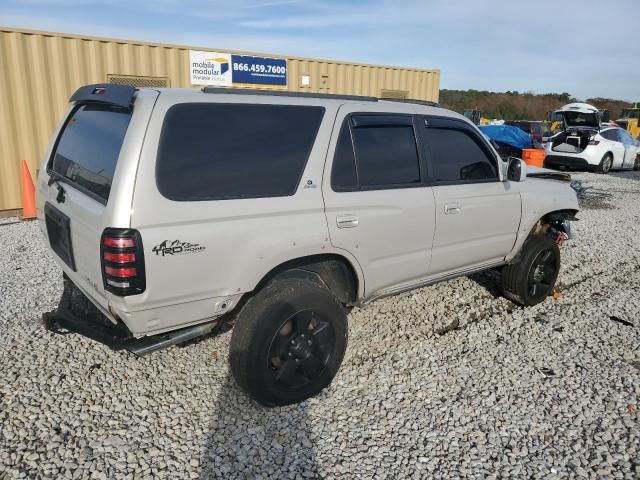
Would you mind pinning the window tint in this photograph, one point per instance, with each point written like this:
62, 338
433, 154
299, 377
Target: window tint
88, 148
609, 135
386, 155
343, 173
456, 157
211, 151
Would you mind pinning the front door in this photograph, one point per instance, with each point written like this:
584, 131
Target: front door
477, 214
377, 205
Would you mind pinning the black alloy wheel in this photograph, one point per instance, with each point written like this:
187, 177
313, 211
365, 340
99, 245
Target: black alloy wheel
300, 349
289, 341
532, 276
542, 273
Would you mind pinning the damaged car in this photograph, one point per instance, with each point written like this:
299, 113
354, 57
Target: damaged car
584, 143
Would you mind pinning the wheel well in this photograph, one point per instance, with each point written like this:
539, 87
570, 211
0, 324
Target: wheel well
554, 220
334, 271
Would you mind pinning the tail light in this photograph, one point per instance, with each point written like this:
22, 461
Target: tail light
122, 259
594, 142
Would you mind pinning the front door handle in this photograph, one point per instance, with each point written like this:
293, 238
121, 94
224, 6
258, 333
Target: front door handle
347, 221
452, 209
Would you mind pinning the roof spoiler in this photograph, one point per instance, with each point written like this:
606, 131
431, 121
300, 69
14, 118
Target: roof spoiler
105, 93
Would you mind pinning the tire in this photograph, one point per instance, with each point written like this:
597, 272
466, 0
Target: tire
518, 279
605, 164
636, 165
289, 341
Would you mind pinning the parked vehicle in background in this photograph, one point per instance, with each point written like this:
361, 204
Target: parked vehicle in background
508, 140
536, 130
170, 210
474, 115
584, 144
630, 121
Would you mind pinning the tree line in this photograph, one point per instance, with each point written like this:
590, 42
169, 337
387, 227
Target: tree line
520, 105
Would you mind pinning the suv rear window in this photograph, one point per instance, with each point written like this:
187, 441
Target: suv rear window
88, 148
212, 151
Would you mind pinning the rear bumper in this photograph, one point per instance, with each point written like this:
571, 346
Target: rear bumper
76, 314
560, 161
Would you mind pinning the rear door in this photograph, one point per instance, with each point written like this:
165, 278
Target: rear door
76, 197
377, 203
477, 214
630, 148
613, 144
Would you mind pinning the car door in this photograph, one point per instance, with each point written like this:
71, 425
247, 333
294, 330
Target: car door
630, 148
612, 143
477, 214
378, 206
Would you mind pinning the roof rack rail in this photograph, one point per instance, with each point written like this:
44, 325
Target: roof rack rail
413, 100
280, 93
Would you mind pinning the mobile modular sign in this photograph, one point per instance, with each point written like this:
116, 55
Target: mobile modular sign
231, 70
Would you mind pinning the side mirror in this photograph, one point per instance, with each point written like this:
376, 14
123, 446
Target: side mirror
516, 169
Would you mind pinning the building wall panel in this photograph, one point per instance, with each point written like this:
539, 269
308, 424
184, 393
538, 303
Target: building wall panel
40, 70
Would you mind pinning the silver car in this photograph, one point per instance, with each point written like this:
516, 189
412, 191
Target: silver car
172, 210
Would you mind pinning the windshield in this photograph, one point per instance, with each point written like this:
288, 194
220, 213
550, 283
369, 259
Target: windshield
88, 148
631, 113
579, 119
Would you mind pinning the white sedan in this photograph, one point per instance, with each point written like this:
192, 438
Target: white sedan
585, 144
610, 148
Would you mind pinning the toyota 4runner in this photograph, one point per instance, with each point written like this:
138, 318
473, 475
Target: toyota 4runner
172, 210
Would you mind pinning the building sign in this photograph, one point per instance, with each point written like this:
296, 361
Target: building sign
210, 68
231, 70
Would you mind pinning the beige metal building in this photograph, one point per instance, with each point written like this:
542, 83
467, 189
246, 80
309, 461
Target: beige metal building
40, 70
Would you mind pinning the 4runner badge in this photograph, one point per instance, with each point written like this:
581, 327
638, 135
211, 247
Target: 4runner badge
176, 247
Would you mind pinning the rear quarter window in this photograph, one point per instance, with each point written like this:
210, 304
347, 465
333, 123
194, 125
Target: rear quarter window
88, 148
212, 151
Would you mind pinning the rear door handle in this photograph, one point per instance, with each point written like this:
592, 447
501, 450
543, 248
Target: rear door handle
347, 221
452, 209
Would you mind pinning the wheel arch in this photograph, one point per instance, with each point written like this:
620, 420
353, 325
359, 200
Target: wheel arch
552, 217
339, 274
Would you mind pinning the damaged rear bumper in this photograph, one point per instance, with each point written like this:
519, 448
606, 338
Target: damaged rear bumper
76, 314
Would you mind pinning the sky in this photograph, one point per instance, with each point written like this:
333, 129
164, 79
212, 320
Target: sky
588, 48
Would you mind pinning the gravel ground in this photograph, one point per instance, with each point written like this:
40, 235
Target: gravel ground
551, 391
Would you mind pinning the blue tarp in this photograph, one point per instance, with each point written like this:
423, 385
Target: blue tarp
507, 134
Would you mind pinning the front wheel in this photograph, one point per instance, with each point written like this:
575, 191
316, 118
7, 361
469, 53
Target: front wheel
531, 279
636, 165
289, 341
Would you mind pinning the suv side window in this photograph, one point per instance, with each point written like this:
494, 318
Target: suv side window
376, 152
343, 173
212, 151
456, 155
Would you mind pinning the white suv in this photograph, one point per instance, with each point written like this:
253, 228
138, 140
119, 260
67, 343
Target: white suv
171, 210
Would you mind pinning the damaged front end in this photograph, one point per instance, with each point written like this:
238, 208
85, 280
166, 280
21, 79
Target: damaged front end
556, 225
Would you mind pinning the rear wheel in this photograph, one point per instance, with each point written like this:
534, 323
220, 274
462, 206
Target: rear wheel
289, 341
605, 164
531, 279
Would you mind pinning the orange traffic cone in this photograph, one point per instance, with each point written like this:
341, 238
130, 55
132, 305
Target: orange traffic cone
28, 193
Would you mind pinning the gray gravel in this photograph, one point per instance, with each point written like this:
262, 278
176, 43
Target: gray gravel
551, 391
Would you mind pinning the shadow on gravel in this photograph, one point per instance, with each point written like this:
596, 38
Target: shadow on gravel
248, 441
489, 280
